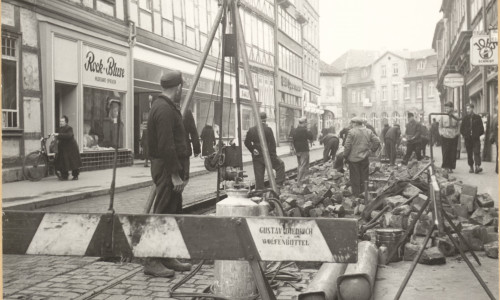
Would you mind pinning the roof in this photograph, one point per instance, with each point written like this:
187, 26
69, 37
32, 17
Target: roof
439, 28
355, 59
326, 69
430, 67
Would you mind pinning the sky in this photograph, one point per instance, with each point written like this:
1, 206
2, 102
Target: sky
376, 25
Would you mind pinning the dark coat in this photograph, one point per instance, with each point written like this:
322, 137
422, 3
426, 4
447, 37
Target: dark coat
384, 131
68, 156
393, 134
192, 137
413, 132
145, 144
343, 134
494, 130
208, 139
252, 140
166, 134
301, 139
472, 126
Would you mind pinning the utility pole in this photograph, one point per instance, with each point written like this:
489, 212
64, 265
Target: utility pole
487, 144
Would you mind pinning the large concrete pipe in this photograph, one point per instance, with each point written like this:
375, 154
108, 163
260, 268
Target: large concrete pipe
324, 286
358, 281
234, 279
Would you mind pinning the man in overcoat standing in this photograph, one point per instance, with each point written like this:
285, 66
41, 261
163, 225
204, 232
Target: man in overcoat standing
301, 138
472, 129
68, 154
169, 162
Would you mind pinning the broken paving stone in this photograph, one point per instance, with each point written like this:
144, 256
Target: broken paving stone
386, 219
468, 201
447, 188
470, 190
418, 202
460, 210
397, 221
395, 200
327, 202
432, 256
491, 249
295, 212
485, 200
419, 241
424, 225
411, 251
481, 217
348, 203
339, 210
316, 212
292, 202
492, 236
410, 191
404, 210
446, 246
451, 199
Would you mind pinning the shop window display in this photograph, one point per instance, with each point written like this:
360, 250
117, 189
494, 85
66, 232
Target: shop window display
100, 124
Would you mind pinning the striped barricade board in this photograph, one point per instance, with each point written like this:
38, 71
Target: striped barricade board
180, 236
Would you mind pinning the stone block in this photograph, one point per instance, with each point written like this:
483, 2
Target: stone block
410, 191
412, 217
460, 210
291, 201
374, 214
348, 203
485, 200
396, 221
295, 212
338, 210
424, 225
468, 201
328, 202
481, 217
447, 188
446, 246
419, 241
337, 197
451, 199
372, 234
470, 190
386, 219
411, 251
432, 256
492, 236
395, 200
491, 249
316, 213
418, 202
404, 210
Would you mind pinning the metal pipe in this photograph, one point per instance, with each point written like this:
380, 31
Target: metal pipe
201, 64
323, 285
358, 281
221, 119
236, 62
248, 76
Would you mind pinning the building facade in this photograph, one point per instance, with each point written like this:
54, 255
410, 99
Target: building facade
331, 97
71, 57
463, 19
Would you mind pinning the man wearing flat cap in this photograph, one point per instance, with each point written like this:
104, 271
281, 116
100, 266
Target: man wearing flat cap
169, 161
360, 142
413, 138
449, 132
472, 129
252, 142
301, 138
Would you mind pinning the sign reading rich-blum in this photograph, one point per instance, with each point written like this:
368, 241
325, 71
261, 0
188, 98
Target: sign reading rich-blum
104, 69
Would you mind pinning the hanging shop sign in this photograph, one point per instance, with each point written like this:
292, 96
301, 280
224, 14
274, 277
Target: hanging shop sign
104, 69
453, 80
245, 94
483, 51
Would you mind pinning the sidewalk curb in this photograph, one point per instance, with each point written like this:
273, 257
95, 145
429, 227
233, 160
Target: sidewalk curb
37, 204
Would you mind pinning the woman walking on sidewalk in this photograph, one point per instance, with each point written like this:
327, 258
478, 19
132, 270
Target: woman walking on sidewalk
68, 156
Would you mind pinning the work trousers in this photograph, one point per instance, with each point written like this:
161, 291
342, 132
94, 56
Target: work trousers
449, 152
358, 174
473, 147
390, 147
259, 169
302, 165
167, 200
410, 148
423, 146
330, 150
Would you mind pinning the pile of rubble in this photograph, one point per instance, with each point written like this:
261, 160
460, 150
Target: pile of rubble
396, 194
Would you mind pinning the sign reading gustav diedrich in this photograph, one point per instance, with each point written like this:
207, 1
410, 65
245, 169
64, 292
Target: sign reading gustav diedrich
483, 51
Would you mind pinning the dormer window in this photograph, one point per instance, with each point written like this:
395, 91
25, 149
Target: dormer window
421, 64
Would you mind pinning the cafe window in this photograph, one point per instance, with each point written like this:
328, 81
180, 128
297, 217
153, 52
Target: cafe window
10, 94
100, 120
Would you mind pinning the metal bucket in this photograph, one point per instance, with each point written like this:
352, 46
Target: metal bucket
390, 238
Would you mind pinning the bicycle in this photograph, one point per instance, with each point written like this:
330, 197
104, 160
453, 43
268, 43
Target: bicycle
39, 163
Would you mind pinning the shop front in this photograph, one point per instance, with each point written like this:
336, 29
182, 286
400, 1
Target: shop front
150, 65
290, 104
82, 73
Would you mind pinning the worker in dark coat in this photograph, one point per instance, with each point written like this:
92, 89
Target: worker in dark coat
413, 136
68, 154
331, 144
494, 134
391, 141
192, 138
472, 129
208, 139
169, 161
343, 133
252, 142
425, 137
301, 139
382, 139
360, 142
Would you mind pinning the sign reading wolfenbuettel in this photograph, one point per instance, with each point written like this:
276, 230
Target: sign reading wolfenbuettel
483, 51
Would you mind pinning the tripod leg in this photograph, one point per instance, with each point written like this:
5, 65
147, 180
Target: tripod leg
414, 264
471, 267
461, 236
408, 230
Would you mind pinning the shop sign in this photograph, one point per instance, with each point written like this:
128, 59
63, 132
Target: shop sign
483, 51
104, 69
291, 85
453, 80
245, 94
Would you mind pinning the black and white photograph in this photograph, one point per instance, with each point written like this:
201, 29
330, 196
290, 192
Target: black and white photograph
249, 149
